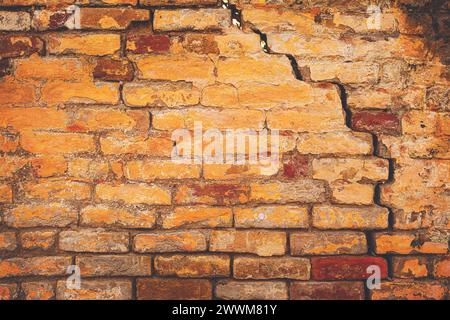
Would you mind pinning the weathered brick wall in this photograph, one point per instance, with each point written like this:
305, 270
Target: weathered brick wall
87, 111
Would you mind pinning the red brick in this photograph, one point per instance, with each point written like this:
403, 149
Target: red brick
341, 268
295, 166
38, 290
13, 46
193, 266
173, 289
212, 193
105, 289
170, 241
8, 291
271, 268
374, 121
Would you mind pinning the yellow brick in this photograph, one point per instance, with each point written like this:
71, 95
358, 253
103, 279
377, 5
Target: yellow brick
160, 95
89, 44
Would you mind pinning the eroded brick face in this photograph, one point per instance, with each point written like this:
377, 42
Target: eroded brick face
88, 108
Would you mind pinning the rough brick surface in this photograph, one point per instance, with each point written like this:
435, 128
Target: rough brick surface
92, 104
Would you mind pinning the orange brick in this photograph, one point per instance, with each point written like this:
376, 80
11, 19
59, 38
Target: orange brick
267, 96
187, 19
406, 290
262, 243
57, 190
104, 216
252, 290
34, 266
406, 243
88, 169
56, 143
335, 143
231, 172
62, 92
323, 243
198, 217
354, 170
40, 215
107, 119
10, 165
50, 68
203, 266
93, 240
410, 267
42, 240
220, 95
314, 118
160, 95
49, 166
89, 44
25, 118
8, 241
271, 268
172, 241
352, 193
16, 94
8, 143
175, 68
6, 194
216, 193
111, 18
133, 193
301, 191
262, 68
173, 289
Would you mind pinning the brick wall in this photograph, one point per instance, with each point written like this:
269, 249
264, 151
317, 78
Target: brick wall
87, 111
